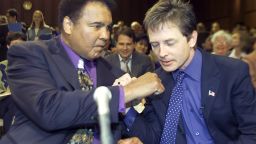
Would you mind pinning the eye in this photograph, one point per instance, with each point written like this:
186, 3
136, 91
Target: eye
170, 43
154, 45
98, 26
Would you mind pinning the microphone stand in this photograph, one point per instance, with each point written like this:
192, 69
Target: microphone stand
102, 95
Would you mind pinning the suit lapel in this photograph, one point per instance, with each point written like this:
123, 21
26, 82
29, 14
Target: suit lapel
209, 84
136, 66
116, 61
103, 69
64, 63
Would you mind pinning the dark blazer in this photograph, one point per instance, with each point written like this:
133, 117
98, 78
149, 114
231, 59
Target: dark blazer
45, 88
140, 63
230, 115
43, 33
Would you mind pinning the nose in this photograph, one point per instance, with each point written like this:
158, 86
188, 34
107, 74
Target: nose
162, 51
104, 33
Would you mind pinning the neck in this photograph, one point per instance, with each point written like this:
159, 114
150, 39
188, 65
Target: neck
188, 61
37, 25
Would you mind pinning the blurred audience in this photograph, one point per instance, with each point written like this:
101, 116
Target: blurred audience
126, 58
137, 28
221, 42
251, 60
215, 27
240, 43
3, 19
13, 24
38, 28
202, 34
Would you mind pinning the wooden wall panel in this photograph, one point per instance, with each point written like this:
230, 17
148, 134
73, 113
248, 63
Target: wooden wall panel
250, 13
250, 19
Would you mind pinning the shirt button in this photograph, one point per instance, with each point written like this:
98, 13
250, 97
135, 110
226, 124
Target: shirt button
197, 133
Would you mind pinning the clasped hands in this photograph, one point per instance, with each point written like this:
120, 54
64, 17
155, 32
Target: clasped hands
138, 88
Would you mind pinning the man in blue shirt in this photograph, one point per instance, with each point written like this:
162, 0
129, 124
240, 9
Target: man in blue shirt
53, 82
216, 102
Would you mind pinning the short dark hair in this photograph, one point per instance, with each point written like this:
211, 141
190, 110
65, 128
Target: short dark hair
171, 11
127, 31
13, 12
72, 8
15, 36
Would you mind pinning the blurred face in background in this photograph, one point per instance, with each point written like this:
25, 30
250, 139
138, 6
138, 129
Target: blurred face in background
215, 27
235, 39
141, 46
221, 46
254, 46
37, 17
10, 18
124, 46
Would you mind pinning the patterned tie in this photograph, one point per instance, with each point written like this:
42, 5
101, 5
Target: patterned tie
83, 136
173, 112
127, 69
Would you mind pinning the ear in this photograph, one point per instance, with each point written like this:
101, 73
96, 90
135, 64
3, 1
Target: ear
193, 39
67, 25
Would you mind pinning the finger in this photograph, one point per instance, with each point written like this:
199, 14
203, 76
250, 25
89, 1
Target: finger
136, 140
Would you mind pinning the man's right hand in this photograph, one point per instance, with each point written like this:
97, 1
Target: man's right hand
143, 86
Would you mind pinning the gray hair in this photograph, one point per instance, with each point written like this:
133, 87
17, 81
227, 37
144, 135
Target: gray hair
223, 33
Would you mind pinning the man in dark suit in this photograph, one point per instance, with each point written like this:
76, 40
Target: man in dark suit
212, 100
127, 58
52, 82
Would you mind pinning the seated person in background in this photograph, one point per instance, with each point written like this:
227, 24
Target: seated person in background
250, 59
7, 108
13, 24
240, 43
221, 43
142, 44
15, 38
126, 58
38, 28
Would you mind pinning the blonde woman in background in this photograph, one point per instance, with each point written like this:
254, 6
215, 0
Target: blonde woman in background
38, 28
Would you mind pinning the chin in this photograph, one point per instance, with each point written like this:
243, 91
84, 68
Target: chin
169, 69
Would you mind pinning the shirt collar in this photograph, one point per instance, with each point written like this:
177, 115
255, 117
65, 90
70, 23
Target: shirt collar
193, 70
74, 57
120, 58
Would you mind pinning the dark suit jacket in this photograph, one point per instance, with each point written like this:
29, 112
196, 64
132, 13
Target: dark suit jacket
44, 33
230, 115
140, 63
45, 88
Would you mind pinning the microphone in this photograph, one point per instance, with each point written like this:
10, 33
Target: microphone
102, 95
